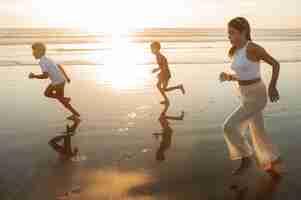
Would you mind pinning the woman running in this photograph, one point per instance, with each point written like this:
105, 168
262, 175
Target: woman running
246, 56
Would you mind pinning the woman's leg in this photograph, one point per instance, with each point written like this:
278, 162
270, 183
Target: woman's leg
234, 129
266, 152
233, 132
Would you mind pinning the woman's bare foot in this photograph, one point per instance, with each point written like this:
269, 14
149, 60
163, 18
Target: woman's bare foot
276, 169
245, 164
182, 89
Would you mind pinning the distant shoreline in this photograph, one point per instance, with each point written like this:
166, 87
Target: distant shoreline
140, 29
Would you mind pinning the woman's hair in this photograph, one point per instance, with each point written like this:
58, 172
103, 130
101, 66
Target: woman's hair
242, 25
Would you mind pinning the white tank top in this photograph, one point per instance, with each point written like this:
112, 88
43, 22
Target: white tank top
244, 68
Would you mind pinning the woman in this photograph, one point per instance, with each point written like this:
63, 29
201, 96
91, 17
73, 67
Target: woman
246, 57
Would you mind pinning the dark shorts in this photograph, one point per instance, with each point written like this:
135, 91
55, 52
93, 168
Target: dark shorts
59, 88
164, 76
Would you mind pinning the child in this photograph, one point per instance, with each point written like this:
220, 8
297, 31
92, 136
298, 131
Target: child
57, 76
164, 74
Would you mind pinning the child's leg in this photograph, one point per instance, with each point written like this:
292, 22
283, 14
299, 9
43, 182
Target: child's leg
175, 117
60, 90
161, 89
49, 92
69, 107
52, 91
71, 129
180, 87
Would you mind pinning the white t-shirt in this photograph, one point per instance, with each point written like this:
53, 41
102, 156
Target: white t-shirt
55, 74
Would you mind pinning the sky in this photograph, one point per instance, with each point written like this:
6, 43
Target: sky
122, 15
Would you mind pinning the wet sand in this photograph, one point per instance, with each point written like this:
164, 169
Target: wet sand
116, 137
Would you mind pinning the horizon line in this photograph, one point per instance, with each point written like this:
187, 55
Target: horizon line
142, 28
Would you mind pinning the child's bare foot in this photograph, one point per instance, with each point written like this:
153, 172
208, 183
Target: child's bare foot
245, 164
182, 89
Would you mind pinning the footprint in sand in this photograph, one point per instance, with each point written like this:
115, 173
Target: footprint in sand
132, 115
145, 150
146, 107
131, 123
79, 158
122, 131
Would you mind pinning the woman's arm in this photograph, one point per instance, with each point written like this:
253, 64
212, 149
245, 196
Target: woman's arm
227, 77
265, 56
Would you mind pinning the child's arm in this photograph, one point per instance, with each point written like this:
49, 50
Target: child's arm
156, 69
159, 65
45, 75
63, 71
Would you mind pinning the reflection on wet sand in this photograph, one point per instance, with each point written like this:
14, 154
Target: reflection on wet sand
142, 178
166, 133
136, 178
62, 181
262, 187
115, 183
65, 150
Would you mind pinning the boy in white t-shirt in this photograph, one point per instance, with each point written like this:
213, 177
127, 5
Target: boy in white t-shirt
56, 74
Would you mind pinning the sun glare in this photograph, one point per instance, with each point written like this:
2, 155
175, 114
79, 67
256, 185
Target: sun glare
121, 68
115, 18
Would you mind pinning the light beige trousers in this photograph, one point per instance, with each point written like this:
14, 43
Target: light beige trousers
249, 115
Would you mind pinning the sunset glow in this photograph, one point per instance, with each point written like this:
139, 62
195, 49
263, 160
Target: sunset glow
109, 15
121, 69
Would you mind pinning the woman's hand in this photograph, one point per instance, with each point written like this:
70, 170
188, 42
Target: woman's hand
273, 94
68, 80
